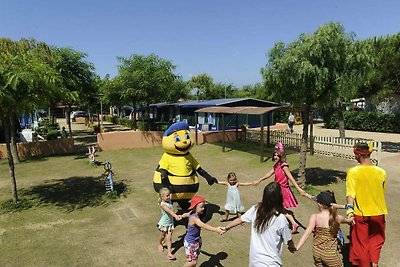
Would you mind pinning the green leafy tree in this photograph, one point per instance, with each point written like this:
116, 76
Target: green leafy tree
382, 78
27, 80
179, 90
78, 83
253, 91
309, 71
145, 79
202, 85
112, 92
221, 90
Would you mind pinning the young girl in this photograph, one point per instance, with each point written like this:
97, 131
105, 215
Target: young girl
192, 241
233, 203
269, 228
282, 177
326, 224
166, 223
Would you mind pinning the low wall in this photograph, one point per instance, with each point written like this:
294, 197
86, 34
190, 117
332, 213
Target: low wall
216, 136
128, 139
60, 146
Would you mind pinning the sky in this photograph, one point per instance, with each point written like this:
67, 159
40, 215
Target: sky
226, 39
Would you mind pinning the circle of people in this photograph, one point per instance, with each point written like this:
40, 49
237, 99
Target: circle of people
273, 223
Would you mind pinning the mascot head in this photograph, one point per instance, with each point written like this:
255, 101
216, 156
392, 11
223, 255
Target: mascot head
176, 139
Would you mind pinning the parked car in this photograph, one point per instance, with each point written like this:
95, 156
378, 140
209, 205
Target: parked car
78, 113
125, 111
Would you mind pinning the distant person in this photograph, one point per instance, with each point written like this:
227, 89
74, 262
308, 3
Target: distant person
325, 225
269, 228
291, 122
233, 202
64, 133
366, 205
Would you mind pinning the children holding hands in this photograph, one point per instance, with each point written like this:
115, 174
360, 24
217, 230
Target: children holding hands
269, 228
282, 177
233, 202
166, 223
325, 225
193, 241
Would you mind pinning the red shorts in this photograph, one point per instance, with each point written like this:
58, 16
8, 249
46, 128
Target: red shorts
367, 238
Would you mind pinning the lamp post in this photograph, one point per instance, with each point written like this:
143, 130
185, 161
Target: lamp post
101, 111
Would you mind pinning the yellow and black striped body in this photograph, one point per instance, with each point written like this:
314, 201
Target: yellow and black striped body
181, 174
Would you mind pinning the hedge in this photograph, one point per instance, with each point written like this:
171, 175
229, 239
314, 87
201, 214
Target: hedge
365, 121
141, 125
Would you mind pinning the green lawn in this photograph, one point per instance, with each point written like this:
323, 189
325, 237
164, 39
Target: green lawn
73, 223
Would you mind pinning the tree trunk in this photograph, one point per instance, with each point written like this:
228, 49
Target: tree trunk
13, 138
134, 126
68, 120
311, 132
341, 121
10, 159
304, 147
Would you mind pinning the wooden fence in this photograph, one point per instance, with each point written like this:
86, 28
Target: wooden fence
323, 145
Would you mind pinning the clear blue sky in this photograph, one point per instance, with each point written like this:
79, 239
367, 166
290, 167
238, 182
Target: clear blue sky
227, 39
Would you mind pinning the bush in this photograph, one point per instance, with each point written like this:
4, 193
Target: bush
96, 128
143, 125
365, 121
52, 135
49, 125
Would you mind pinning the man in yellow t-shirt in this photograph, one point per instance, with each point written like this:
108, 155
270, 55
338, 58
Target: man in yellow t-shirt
366, 205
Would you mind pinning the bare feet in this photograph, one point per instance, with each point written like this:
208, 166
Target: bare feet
160, 248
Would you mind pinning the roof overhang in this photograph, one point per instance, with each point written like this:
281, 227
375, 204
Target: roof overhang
238, 110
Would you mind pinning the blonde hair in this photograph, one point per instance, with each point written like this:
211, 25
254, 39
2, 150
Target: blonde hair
162, 191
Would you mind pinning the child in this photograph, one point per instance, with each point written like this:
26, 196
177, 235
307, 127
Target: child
269, 228
326, 224
282, 177
233, 203
192, 241
166, 223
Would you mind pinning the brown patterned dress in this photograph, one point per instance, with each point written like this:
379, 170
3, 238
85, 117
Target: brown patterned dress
325, 248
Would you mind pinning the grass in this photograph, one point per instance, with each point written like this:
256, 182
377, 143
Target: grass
66, 219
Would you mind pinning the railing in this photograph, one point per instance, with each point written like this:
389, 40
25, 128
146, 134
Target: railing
323, 145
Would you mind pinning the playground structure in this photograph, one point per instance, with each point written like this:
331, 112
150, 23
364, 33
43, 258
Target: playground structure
92, 154
108, 175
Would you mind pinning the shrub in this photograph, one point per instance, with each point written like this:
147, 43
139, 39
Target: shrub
52, 135
143, 125
96, 128
365, 121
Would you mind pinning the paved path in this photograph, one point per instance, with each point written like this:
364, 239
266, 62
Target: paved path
390, 141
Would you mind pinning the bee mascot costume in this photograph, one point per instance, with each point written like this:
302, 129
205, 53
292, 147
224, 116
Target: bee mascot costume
177, 168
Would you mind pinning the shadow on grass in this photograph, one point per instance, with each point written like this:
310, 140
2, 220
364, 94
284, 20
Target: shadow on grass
73, 193
319, 176
178, 243
252, 148
215, 259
